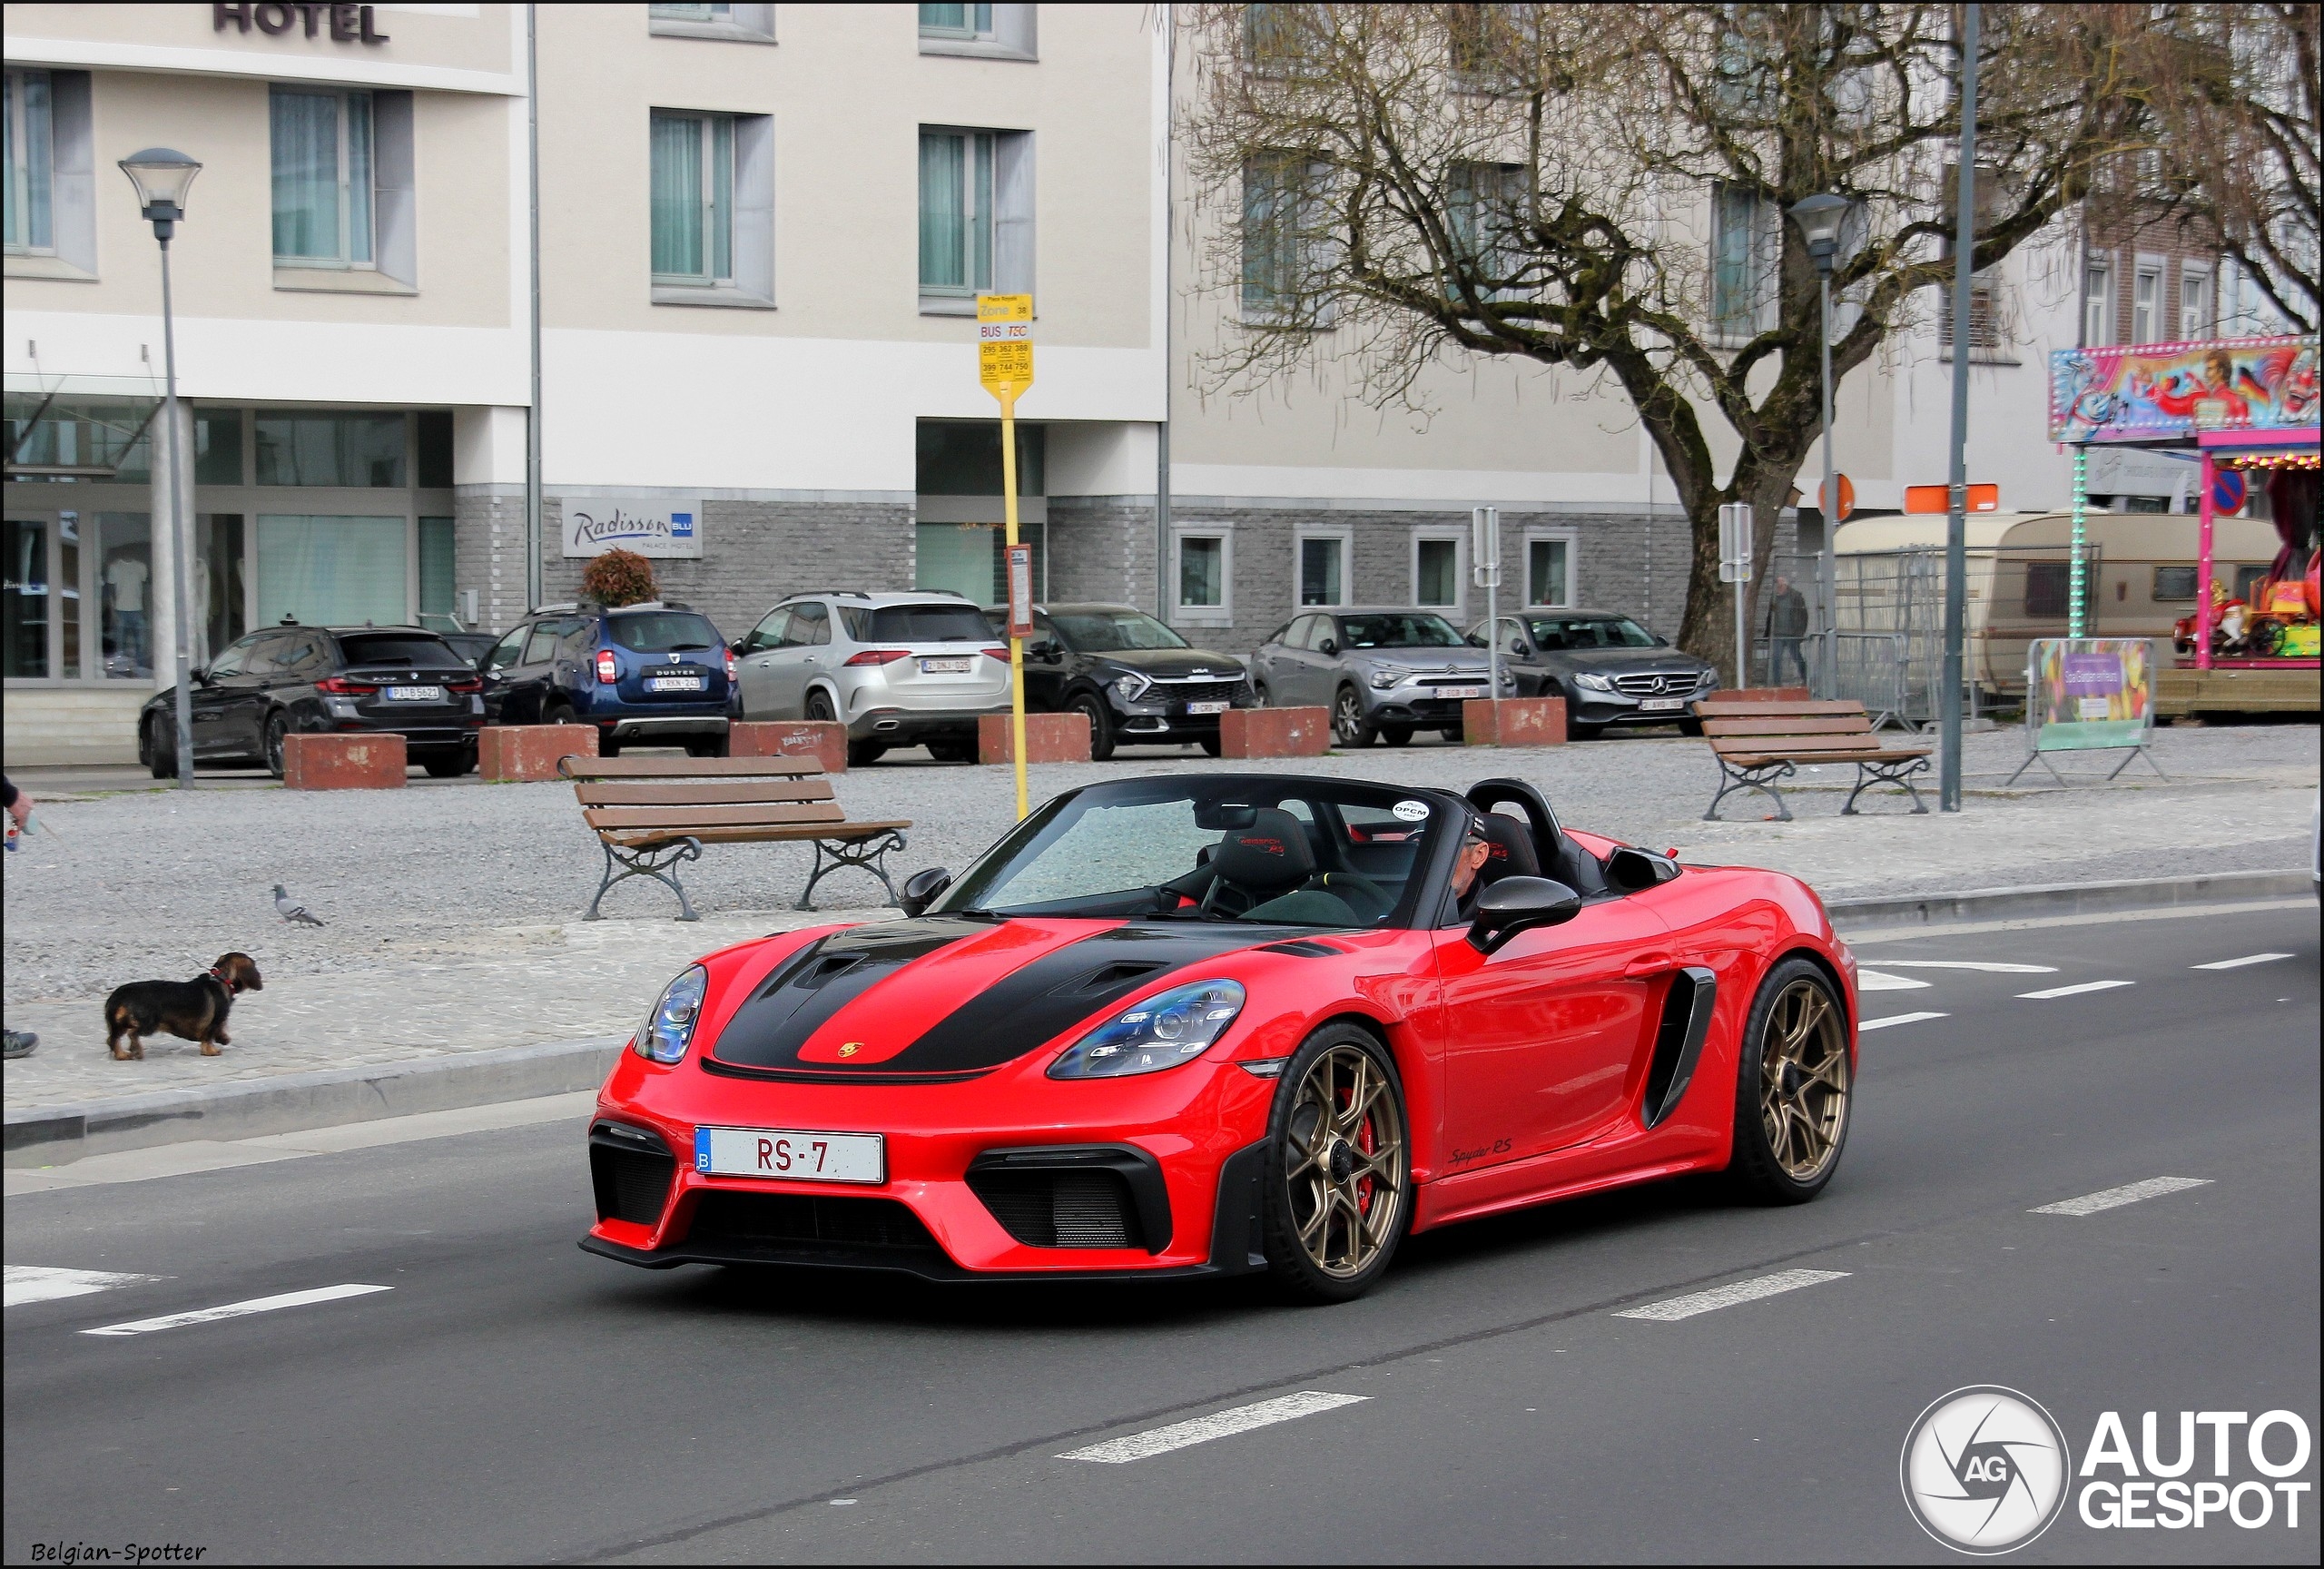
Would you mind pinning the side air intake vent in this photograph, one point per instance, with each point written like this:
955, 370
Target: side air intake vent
1679, 1042
1100, 1196
630, 1170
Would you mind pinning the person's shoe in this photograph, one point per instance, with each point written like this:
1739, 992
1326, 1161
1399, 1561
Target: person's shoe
20, 1044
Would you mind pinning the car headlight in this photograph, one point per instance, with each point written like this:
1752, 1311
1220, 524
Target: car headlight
1594, 682
1165, 1029
1708, 679
669, 1028
1130, 688
1388, 675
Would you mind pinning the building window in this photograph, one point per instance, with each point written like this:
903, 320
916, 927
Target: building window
976, 216
956, 21
991, 32
1549, 577
327, 571
1282, 213
124, 590
2174, 583
1436, 570
349, 451
31, 164
694, 198
323, 191
1323, 567
2146, 306
736, 24
1483, 209
26, 602
2195, 304
2097, 305
1206, 577
1739, 261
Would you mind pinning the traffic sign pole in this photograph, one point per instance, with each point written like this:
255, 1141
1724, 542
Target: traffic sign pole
1735, 567
1005, 367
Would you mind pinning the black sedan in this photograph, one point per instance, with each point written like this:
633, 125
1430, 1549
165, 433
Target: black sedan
1608, 669
290, 677
1139, 681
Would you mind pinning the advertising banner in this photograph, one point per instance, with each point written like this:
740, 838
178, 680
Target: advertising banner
648, 525
2088, 694
2162, 391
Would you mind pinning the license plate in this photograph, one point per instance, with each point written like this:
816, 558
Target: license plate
676, 683
1208, 707
1660, 705
946, 666
1460, 691
790, 1155
415, 694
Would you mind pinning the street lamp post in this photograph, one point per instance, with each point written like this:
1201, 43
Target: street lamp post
161, 177
1818, 218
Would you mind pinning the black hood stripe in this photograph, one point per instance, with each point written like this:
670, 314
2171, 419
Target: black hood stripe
807, 990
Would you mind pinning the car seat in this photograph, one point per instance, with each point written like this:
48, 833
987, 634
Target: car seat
1267, 872
1555, 855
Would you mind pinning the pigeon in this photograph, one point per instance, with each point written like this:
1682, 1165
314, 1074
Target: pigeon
291, 910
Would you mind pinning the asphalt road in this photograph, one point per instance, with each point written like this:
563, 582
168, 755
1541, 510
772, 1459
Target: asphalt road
513, 1398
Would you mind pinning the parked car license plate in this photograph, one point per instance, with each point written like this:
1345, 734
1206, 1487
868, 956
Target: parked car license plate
415, 694
946, 666
1460, 691
1208, 707
791, 1154
1660, 705
675, 682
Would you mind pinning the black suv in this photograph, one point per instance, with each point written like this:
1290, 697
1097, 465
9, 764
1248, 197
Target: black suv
322, 678
1139, 681
651, 674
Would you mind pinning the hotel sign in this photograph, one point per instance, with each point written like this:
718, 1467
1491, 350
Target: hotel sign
341, 24
650, 526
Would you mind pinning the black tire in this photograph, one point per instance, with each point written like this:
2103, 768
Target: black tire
819, 706
1213, 745
1396, 735
706, 746
1300, 1257
1259, 698
952, 751
1454, 735
1101, 725
1583, 732
448, 765
277, 726
861, 753
1350, 728
1690, 727
1802, 1108
158, 749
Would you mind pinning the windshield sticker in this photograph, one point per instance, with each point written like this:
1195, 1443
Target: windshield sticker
1411, 811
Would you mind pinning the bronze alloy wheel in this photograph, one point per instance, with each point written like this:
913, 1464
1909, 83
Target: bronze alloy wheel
1803, 1081
1345, 1163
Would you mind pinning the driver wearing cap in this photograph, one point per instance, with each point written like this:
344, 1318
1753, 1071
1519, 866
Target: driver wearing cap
1468, 867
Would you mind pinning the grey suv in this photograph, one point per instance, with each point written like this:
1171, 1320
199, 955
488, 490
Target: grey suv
1383, 673
897, 670
1608, 669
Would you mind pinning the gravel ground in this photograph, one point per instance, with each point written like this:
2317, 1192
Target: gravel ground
451, 911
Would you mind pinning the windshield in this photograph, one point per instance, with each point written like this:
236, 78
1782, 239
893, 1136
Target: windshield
1398, 631
943, 623
1110, 631
1278, 851
662, 631
1566, 632
419, 651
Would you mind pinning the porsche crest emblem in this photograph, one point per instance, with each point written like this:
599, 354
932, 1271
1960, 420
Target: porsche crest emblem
851, 1048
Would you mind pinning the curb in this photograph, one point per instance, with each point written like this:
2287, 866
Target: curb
297, 1102
329, 1098
2065, 899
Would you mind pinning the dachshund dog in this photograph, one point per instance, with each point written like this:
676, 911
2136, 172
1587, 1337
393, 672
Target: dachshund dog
191, 1010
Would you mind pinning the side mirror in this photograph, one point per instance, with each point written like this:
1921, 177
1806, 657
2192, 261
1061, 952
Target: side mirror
1521, 650
1629, 868
1516, 905
922, 889
1329, 648
1475, 641
199, 676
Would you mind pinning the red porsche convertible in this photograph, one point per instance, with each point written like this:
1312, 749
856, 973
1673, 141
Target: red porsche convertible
1209, 1024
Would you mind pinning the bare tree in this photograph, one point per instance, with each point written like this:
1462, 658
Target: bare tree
1603, 186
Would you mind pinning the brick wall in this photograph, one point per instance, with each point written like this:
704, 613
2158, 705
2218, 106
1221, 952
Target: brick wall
489, 554
1101, 548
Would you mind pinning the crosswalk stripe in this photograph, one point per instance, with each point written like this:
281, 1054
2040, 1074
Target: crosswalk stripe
238, 1309
28, 1283
2239, 963
2073, 991
1671, 1309
2116, 1198
1218, 1424
1898, 1019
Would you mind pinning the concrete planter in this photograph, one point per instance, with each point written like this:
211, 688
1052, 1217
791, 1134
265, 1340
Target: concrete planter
1521, 721
515, 754
1274, 732
823, 739
1049, 738
355, 762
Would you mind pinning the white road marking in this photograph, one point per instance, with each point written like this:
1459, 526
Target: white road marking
1676, 1308
1898, 1018
1989, 966
1881, 981
238, 1309
2239, 963
2116, 1198
2076, 990
1218, 1424
32, 1283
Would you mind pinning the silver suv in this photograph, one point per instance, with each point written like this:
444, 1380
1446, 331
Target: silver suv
897, 670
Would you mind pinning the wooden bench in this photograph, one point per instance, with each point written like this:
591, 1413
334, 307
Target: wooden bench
1758, 742
651, 813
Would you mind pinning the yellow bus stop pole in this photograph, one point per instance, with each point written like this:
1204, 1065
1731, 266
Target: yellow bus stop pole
1016, 644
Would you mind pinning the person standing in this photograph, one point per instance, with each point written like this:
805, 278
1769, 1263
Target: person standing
20, 1042
1787, 626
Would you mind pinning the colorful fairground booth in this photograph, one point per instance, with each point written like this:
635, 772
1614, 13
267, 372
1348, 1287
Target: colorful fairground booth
2243, 413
